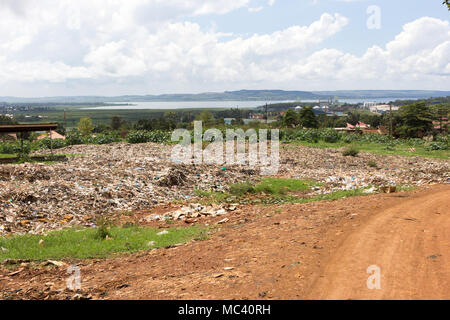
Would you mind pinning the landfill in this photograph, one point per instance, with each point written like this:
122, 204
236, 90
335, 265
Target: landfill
120, 177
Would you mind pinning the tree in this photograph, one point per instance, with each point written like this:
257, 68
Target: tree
291, 118
206, 116
6, 120
85, 126
308, 118
416, 120
116, 123
447, 2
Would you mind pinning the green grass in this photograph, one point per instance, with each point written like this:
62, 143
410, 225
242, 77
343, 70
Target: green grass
277, 186
276, 191
3, 155
376, 148
85, 243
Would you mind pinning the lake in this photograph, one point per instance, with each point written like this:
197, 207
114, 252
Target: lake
218, 104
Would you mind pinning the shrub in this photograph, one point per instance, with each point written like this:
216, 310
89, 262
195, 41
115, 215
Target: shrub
330, 135
372, 164
138, 136
142, 136
55, 143
437, 146
74, 138
238, 189
105, 138
350, 151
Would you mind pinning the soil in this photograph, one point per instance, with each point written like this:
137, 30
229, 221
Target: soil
298, 251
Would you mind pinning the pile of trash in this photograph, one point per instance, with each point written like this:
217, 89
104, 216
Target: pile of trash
347, 173
99, 180
193, 211
120, 177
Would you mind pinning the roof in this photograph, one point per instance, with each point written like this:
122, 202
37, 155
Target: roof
54, 135
27, 127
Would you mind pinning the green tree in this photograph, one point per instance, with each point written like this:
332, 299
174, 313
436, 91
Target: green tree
85, 126
291, 118
447, 2
206, 117
416, 120
308, 118
116, 123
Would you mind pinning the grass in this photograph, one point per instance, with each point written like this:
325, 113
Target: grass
6, 156
276, 186
350, 151
376, 148
273, 191
86, 243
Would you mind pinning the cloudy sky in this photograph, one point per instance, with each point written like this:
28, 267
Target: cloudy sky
117, 47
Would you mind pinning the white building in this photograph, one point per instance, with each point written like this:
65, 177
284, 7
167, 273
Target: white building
382, 108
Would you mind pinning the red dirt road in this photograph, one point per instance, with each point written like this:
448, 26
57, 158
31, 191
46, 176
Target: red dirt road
409, 242
302, 251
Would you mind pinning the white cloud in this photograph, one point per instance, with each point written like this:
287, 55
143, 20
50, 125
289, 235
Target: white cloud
148, 42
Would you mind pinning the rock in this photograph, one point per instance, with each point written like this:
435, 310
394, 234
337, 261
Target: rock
223, 221
163, 233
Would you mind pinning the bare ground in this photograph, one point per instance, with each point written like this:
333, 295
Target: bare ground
302, 251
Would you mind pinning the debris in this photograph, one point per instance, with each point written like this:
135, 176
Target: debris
36, 198
223, 221
55, 263
162, 233
228, 268
41, 242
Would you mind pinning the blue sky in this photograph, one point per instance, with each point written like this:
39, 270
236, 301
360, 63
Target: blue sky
110, 47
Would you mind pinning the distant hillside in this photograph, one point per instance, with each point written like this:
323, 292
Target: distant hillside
375, 94
241, 95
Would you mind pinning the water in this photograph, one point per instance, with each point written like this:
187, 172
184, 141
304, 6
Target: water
221, 104
185, 105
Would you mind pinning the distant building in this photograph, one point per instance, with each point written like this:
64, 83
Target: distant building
229, 121
298, 108
368, 105
257, 116
383, 108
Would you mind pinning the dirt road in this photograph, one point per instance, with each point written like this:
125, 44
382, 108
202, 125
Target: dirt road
304, 251
409, 242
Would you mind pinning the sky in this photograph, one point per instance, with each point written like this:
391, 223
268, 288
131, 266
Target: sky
117, 47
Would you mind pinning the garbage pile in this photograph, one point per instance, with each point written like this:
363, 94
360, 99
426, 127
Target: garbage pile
193, 211
104, 179
99, 180
346, 173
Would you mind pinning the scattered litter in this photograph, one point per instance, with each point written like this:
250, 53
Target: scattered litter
36, 198
163, 233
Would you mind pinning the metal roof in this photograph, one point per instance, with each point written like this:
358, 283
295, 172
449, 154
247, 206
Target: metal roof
27, 127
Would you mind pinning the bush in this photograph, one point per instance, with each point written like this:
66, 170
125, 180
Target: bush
55, 143
372, 164
437, 146
350, 151
239, 189
74, 138
8, 148
330, 135
142, 136
139, 136
105, 138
